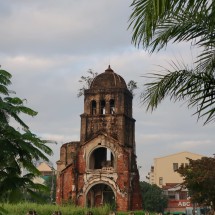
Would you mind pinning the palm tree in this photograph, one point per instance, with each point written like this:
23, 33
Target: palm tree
155, 24
19, 147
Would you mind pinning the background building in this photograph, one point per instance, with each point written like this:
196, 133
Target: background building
164, 169
45, 169
164, 175
46, 172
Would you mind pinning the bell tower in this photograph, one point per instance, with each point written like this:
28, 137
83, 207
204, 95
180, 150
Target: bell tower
103, 166
108, 109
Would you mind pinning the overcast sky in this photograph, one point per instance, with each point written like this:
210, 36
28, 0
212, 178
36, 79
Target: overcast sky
47, 45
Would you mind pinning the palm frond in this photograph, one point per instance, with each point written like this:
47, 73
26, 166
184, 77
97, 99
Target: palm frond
150, 18
198, 89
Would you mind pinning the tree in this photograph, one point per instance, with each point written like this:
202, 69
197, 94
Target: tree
153, 197
155, 24
199, 177
19, 147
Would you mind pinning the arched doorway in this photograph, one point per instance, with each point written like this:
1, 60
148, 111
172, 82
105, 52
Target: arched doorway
99, 195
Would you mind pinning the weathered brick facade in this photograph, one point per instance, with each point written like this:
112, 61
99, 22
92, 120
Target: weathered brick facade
102, 168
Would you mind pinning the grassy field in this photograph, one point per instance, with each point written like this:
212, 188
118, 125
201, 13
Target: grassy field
23, 208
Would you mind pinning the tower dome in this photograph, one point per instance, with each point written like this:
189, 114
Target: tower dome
108, 79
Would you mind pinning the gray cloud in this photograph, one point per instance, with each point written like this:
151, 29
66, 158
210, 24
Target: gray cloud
53, 28
48, 46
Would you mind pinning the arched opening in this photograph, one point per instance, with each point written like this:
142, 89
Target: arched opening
99, 195
93, 107
101, 158
102, 107
112, 106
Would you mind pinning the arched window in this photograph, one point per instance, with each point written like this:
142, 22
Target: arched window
93, 107
112, 106
102, 107
101, 158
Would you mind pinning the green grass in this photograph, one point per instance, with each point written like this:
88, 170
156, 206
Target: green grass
46, 209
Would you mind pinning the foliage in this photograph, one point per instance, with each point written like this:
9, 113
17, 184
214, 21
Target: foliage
199, 178
133, 212
47, 209
153, 197
155, 24
132, 85
196, 88
86, 81
45, 196
19, 147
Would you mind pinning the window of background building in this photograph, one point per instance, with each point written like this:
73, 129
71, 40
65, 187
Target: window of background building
175, 166
171, 194
160, 180
184, 164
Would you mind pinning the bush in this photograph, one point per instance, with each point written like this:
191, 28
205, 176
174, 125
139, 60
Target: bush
48, 209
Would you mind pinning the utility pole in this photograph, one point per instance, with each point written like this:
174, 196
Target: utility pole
52, 185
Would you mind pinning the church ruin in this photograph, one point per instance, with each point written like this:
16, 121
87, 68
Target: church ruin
101, 167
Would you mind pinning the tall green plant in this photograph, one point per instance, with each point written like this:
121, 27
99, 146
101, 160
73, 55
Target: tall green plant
155, 24
19, 147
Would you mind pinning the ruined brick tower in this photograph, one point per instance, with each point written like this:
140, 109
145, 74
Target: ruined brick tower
102, 168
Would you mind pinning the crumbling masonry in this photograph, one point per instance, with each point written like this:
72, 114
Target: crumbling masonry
102, 168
